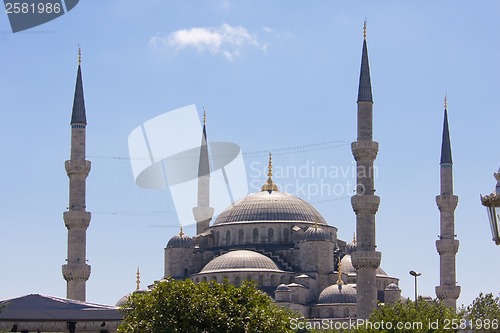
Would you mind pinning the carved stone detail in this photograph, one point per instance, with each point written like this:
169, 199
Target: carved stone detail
365, 204
366, 259
364, 151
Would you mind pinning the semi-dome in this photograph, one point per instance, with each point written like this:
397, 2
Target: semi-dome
181, 240
270, 206
240, 260
315, 233
282, 287
338, 293
392, 286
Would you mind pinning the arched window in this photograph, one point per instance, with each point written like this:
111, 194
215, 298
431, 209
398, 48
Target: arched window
286, 235
273, 280
241, 236
214, 278
346, 313
204, 279
196, 280
255, 235
282, 279
228, 237
331, 313
237, 280
261, 280
217, 238
270, 235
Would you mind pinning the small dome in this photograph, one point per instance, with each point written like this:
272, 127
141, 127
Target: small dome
241, 259
270, 206
314, 234
392, 286
282, 287
123, 301
338, 293
180, 240
351, 247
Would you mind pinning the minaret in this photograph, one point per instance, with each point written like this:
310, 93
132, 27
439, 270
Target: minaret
365, 203
76, 271
447, 245
203, 212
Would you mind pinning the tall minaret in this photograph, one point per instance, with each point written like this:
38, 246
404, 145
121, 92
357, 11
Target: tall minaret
365, 203
447, 245
203, 212
76, 271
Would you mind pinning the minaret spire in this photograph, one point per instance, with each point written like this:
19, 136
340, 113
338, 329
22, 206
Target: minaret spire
203, 212
269, 185
447, 246
76, 271
365, 203
365, 85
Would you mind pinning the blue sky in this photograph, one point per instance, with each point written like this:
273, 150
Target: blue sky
276, 76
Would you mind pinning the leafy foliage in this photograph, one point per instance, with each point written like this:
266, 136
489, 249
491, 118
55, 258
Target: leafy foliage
183, 306
484, 313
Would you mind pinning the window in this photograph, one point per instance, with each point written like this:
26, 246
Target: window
255, 235
270, 235
241, 236
228, 237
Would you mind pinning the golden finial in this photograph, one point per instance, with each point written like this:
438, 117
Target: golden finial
79, 55
269, 185
138, 279
446, 100
181, 233
354, 238
339, 273
316, 224
364, 29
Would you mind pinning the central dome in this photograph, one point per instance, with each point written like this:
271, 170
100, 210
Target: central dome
270, 206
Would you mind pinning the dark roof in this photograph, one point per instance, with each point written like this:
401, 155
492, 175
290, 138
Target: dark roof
180, 241
445, 143
365, 86
315, 233
37, 307
78, 116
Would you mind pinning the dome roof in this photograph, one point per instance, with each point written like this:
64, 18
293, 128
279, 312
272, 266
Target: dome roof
180, 240
240, 260
282, 287
338, 293
392, 286
270, 206
123, 301
351, 247
314, 233
348, 268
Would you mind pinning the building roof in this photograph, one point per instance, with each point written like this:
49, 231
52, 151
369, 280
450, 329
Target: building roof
270, 206
365, 85
37, 307
338, 293
240, 260
348, 268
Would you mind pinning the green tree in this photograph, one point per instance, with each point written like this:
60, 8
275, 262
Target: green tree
183, 306
483, 314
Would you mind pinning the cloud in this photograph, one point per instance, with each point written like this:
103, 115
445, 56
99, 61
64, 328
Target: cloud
226, 40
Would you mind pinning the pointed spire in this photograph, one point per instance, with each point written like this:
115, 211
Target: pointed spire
138, 279
445, 143
354, 238
181, 232
269, 185
78, 116
365, 86
204, 163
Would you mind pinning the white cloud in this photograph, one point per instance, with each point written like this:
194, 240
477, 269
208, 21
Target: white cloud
225, 40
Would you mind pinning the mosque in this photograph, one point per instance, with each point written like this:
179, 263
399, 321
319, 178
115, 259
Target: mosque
274, 238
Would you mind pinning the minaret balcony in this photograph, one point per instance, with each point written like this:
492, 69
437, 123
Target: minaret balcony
447, 202
76, 272
365, 204
78, 169
364, 151
76, 219
447, 292
445, 246
366, 259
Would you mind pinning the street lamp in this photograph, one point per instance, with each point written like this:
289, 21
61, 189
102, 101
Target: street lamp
492, 204
415, 274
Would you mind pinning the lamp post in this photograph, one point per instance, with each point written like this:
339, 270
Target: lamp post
415, 274
492, 204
